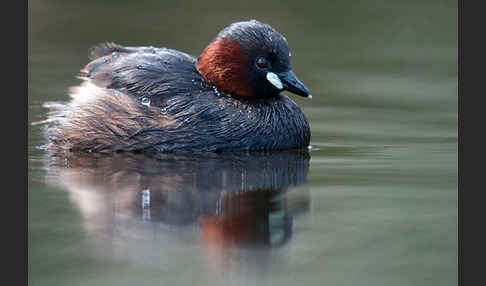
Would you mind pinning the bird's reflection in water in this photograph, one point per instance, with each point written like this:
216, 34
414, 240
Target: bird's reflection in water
233, 200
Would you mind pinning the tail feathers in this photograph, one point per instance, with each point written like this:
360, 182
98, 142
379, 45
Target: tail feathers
55, 113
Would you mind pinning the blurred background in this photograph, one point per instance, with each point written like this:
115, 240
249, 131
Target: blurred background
375, 205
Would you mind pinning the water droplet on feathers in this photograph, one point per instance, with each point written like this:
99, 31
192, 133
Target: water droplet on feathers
146, 101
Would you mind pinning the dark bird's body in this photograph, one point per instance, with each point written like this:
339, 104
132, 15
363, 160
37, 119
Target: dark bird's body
158, 100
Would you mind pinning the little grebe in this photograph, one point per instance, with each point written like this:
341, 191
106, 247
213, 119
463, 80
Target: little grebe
162, 100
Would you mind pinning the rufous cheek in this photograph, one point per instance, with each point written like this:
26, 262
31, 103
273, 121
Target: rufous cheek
225, 65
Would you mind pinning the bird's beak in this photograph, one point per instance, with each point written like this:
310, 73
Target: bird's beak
292, 84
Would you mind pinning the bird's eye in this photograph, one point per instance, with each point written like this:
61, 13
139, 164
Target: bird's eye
262, 63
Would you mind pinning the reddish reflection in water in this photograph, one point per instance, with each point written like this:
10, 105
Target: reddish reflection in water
233, 200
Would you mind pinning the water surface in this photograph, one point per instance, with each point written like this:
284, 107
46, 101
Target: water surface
374, 202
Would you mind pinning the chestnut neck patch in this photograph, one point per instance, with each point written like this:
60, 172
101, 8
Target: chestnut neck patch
224, 64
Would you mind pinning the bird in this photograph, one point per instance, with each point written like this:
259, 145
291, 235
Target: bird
157, 99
